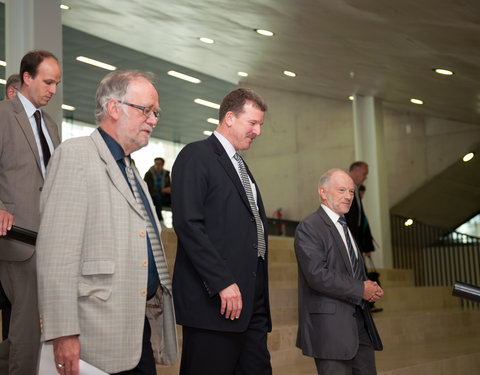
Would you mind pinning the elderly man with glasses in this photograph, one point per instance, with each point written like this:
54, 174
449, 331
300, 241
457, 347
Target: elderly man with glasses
104, 288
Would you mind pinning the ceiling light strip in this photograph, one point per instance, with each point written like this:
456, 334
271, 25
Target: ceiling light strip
206, 103
97, 63
185, 77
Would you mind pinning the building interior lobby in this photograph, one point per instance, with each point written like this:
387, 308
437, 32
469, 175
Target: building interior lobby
394, 84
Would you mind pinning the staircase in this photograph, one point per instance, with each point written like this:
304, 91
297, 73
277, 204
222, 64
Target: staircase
424, 330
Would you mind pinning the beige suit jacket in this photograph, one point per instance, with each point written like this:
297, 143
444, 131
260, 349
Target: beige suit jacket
92, 260
21, 177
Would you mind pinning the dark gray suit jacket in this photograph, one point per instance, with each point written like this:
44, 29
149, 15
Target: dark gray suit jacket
327, 292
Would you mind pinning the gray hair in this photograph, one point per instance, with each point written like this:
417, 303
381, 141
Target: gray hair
115, 86
325, 178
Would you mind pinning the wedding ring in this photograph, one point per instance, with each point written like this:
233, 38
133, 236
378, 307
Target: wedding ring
60, 365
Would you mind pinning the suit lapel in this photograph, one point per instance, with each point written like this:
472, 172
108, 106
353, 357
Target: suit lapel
52, 129
227, 165
340, 245
113, 171
26, 127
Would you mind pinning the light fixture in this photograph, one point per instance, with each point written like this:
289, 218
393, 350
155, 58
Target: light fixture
68, 107
207, 133
264, 32
289, 73
64, 7
206, 103
212, 120
468, 157
444, 72
97, 63
206, 40
175, 74
408, 222
2, 81
242, 74
351, 97
416, 101
3, 63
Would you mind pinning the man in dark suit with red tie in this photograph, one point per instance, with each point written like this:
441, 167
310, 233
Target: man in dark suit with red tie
220, 281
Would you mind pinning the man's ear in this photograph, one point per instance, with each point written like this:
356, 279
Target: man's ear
229, 118
321, 192
114, 109
27, 78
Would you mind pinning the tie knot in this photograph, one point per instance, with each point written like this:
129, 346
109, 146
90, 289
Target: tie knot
237, 157
37, 115
127, 161
342, 221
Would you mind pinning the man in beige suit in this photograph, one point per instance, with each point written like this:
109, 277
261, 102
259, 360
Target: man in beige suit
27, 138
103, 284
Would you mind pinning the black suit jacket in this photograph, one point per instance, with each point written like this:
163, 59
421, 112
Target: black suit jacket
358, 225
217, 237
328, 293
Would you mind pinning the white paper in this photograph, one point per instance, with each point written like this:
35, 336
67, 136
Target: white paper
47, 364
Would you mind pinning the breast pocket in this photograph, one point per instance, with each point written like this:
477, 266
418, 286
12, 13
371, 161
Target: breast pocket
96, 279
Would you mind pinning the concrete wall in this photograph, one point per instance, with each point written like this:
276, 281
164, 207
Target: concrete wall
305, 135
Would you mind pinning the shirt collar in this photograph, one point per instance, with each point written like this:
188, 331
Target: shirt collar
27, 105
229, 149
332, 215
113, 146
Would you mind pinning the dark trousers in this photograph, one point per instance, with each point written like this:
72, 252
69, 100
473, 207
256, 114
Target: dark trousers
159, 201
230, 353
146, 365
364, 361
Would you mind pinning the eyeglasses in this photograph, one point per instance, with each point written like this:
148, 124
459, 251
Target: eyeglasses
147, 112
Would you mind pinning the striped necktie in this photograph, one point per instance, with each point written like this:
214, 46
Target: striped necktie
248, 190
156, 244
351, 252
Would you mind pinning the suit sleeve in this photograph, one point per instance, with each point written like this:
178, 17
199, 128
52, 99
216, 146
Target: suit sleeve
59, 244
191, 195
316, 259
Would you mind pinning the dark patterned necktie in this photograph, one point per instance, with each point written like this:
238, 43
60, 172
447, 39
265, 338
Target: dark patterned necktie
43, 140
253, 206
351, 252
157, 249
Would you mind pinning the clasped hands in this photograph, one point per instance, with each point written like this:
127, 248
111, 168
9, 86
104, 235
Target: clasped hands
372, 291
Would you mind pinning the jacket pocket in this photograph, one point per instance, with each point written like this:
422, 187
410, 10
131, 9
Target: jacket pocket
96, 279
322, 308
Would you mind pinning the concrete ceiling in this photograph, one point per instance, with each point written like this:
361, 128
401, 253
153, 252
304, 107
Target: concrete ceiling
337, 47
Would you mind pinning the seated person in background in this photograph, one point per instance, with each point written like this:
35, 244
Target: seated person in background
158, 181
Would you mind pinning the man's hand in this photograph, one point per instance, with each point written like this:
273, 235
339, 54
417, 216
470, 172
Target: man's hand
6, 222
66, 351
372, 291
231, 302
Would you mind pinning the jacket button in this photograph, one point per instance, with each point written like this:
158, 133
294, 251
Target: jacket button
255, 246
40, 188
254, 274
145, 263
252, 219
142, 233
144, 293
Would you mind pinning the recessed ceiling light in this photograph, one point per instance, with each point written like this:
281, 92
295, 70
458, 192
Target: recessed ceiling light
265, 32
175, 74
468, 157
3, 63
64, 7
2, 81
206, 103
242, 74
408, 222
416, 101
351, 97
100, 64
68, 107
206, 40
289, 73
444, 72
207, 133
212, 120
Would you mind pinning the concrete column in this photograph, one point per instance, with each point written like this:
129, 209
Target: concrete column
29, 25
369, 147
